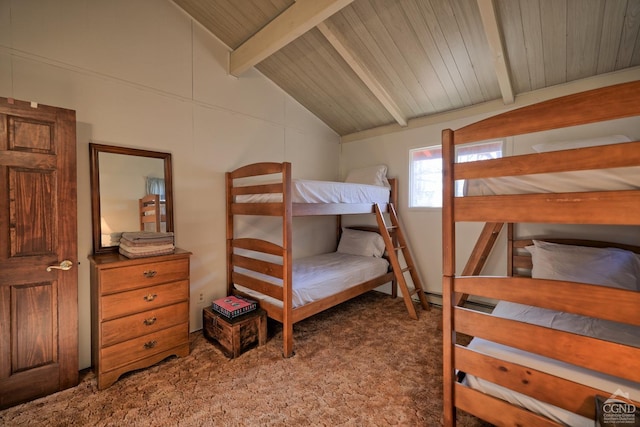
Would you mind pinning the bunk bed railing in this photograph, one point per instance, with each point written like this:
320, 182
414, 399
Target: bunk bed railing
525, 380
608, 103
618, 305
608, 207
611, 358
587, 158
621, 208
257, 263
595, 301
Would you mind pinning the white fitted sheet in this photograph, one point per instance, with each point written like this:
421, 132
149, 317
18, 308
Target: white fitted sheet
320, 276
603, 329
310, 191
561, 182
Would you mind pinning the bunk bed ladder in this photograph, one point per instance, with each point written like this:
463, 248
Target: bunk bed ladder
396, 243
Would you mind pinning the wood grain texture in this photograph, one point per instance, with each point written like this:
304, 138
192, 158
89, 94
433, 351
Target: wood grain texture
139, 312
38, 228
428, 56
603, 207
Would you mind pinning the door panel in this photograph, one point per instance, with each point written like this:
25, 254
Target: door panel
38, 308
33, 308
31, 215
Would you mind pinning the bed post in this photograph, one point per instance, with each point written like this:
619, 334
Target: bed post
393, 199
448, 272
287, 310
229, 186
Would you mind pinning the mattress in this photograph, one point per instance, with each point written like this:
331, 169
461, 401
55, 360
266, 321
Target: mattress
310, 191
561, 182
320, 276
603, 329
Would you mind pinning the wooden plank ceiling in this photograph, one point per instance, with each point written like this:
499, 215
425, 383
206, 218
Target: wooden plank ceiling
363, 64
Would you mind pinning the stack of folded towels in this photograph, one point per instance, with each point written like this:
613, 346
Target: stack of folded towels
146, 243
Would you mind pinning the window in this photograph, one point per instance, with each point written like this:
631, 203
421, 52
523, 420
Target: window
425, 170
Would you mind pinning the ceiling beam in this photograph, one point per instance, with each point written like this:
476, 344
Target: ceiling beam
296, 20
494, 37
364, 74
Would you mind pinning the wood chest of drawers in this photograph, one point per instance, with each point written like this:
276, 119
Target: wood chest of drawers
139, 312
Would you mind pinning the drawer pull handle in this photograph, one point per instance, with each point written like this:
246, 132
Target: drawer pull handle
150, 344
150, 321
150, 273
150, 297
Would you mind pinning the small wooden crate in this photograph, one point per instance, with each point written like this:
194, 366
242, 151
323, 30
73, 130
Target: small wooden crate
235, 336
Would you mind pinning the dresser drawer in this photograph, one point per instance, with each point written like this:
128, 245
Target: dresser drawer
126, 352
128, 327
141, 275
131, 302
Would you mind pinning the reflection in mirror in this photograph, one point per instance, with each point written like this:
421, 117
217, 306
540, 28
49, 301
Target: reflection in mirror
131, 191
124, 182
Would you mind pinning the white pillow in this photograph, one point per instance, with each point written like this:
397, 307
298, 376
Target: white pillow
370, 175
611, 267
581, 143
363, 243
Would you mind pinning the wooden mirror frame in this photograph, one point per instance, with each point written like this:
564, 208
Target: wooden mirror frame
94, 164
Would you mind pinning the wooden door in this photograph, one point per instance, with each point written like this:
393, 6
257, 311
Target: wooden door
38, 308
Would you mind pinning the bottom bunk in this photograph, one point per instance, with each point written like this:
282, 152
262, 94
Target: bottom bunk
317, 282
555, 340
323, 276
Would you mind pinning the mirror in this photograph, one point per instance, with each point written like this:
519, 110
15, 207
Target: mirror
128, 186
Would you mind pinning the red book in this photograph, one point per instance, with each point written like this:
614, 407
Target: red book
233, 306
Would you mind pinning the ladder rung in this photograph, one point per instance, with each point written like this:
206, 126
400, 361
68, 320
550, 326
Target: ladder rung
404, 270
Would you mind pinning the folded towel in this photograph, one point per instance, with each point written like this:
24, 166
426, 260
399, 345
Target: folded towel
146, 249
146, 254
147, 242
146, 235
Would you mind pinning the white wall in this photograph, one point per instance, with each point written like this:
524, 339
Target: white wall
423, 227
142, 74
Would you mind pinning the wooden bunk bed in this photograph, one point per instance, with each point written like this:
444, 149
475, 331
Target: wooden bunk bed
602, 357
152, 212
256, 267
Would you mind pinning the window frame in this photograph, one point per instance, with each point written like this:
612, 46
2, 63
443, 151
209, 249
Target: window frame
438, 147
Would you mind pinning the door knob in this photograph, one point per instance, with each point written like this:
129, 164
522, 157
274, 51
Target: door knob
64, 265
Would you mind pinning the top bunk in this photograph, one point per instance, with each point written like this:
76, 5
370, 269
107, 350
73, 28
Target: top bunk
592, 184
268, 189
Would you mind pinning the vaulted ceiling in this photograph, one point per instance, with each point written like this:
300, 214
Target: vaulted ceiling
365, 64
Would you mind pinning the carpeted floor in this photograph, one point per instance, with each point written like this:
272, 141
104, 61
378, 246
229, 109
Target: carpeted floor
363, 363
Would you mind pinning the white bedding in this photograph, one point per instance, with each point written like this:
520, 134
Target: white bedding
319, 276
610, 331
310, 191
575, 181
